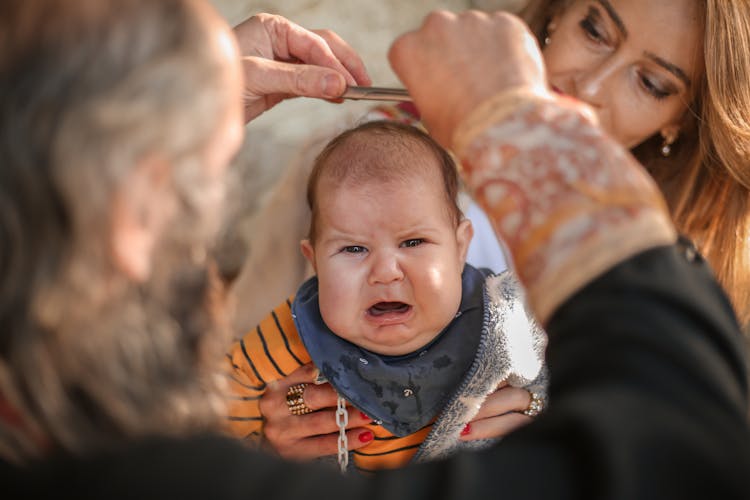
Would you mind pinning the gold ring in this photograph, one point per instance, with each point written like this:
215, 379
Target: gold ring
536, 405
295, 400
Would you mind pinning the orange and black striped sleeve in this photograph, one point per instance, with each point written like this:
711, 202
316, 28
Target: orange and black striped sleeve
270, 351
388, 451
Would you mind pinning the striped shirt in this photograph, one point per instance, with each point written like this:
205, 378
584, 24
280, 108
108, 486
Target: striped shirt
270, 352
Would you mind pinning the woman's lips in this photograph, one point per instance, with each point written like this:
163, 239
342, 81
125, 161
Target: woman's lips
563, 94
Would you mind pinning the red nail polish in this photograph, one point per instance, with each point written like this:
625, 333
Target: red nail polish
365, 437
466, 430
364, 415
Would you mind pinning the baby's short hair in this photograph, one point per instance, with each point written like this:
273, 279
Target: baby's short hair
365, 164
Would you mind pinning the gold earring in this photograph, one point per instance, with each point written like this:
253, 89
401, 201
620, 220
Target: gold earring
666, 146
548, 33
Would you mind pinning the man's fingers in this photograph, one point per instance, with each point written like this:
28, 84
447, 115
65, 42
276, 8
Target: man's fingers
284, 60
291, 79
291, 41
494, 427
311, 48
347, 55
461, 52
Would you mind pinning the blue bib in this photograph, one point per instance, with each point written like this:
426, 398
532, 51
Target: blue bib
402, 393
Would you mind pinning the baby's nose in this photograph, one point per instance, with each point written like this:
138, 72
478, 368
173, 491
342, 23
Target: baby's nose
385, 269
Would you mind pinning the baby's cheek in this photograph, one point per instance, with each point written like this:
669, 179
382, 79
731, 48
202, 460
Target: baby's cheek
336, 308
445, 294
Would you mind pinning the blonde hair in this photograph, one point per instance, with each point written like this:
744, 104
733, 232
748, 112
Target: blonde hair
707, 178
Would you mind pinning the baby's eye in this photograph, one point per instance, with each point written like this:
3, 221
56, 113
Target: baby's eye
354, 249
414, 242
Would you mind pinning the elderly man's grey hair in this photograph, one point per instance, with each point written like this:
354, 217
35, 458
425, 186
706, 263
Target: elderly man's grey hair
88, 88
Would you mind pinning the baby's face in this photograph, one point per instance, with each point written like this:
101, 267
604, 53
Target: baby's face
389, 259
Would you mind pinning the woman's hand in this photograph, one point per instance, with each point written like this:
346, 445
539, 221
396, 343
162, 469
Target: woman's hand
500, 414
283, 60
304, 437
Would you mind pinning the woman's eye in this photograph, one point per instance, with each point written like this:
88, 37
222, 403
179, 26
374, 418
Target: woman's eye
653, 89
414, 242
354, 249
590, 29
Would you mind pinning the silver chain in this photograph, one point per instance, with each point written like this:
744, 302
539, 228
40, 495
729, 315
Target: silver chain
342, 420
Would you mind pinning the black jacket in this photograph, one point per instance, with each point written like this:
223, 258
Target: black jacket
648, 400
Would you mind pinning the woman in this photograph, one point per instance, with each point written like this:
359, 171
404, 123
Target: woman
701, 161
666, 79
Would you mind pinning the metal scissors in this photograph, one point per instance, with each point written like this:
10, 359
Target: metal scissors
376, 94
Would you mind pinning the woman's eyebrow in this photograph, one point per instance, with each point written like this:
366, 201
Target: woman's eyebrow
675, 70
615, 17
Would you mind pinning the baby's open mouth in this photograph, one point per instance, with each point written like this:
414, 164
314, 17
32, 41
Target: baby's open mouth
382, 308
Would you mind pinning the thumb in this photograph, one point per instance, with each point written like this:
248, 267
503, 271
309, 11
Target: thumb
264, 77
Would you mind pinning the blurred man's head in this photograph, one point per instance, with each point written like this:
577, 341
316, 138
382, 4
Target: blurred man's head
119, 120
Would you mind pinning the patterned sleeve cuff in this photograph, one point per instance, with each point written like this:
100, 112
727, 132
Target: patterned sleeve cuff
568, 202
495, 109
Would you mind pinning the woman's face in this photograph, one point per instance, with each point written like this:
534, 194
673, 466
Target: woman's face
637, 62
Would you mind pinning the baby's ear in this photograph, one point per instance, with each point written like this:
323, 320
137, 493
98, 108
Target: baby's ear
309, 252
464, 234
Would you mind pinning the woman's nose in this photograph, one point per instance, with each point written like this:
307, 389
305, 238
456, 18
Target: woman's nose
385, 268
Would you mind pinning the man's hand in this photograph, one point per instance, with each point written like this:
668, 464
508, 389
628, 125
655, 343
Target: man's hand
283, 60
454, 62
